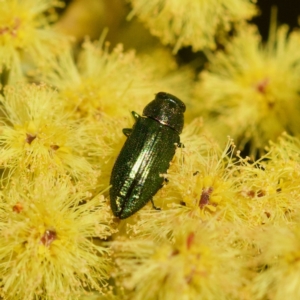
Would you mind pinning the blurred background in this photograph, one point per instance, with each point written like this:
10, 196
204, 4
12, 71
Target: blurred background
82, 18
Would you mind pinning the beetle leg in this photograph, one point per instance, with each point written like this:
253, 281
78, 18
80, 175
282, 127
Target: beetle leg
180, 145
127, 131
165, 179
135, 115
154, 207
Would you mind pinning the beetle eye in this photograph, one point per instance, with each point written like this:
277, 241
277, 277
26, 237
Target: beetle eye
162, 95
171, 98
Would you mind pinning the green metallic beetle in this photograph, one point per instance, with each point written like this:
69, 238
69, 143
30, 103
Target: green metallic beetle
146, 154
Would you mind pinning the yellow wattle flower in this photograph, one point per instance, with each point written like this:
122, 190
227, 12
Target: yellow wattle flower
103, 82
278, 263
187, 25
25, 30
250, 91
37, 136
47, 243
192, 265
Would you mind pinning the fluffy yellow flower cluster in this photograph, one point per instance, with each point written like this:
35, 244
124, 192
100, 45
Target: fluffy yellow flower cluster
194, 23
25, 35
251, 88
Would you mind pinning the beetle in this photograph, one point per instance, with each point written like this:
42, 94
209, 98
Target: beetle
147, 153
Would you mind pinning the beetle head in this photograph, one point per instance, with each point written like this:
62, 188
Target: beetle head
166, 109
